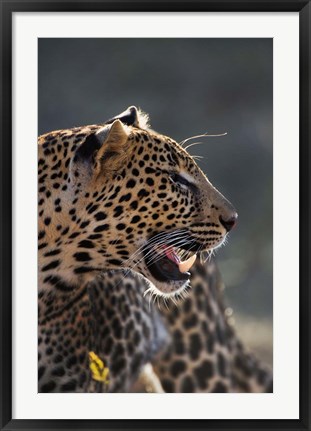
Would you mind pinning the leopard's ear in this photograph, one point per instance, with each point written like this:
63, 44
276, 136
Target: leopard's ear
132, 117
101, 151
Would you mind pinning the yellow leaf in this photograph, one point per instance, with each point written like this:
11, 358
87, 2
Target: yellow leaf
98, 369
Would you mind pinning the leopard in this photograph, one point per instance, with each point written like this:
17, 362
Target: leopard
113, 197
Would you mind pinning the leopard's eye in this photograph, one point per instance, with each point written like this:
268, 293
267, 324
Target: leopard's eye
182, 181
179, 179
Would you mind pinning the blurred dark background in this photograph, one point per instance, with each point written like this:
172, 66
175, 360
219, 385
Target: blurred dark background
188, 87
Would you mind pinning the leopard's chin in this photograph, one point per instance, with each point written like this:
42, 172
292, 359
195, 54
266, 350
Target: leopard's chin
173, 289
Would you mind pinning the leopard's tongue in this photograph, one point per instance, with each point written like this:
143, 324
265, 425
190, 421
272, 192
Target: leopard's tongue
184, 265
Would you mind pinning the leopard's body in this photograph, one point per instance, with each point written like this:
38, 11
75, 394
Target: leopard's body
191, 345
114, 197
205, 354
110, 317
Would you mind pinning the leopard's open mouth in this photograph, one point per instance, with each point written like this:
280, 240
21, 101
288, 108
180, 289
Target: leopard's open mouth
170, 263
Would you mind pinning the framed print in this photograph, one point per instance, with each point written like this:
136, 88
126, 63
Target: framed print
164, 133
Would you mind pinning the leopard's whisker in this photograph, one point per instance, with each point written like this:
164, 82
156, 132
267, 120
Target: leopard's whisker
182, 143
164, 240
158, 256
206, 134
184, 243
161, 236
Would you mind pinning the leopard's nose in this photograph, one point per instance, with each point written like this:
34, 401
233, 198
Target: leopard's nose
229, 222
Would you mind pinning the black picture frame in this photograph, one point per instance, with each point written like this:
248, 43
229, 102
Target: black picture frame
7, 9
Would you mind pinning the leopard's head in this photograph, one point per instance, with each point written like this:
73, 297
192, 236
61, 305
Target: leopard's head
150, 207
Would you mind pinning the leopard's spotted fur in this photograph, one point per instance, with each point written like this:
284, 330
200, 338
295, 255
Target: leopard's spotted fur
205, 354
191, 346
109, 316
